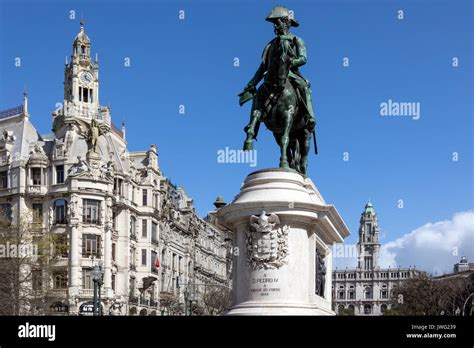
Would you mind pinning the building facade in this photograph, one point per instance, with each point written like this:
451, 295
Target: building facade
367, 289
103, 204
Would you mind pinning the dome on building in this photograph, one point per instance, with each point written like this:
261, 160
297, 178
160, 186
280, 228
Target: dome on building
369, 208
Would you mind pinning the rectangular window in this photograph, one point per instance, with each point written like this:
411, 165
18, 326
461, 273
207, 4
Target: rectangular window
3, 158
80, 93
143, 257
85, 95
144, 228
113, 282
60, 245
114, 220
87, 282
37, 213
4, 179
36, 175
152, 262
60, 280
59, 174
132, 286
154, 233
60, 211
145, 197
351, 295
118, 184
90, 211
132, 256
113, 251
36, 279
90, 245
91, 95
383, 294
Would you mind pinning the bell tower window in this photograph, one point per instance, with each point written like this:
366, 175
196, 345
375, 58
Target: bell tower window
83, 49
85, 95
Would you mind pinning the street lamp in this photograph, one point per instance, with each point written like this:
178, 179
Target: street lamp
98, 279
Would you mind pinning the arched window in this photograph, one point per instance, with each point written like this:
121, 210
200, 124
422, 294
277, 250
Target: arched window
352, 309
368, 292
83, 49
340, 309
367, 309
383, 308
60, 208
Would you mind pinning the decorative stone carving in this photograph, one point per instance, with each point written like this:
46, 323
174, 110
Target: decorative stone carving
7, 137
51, 216
72, 206
320, 274
116, 308
267, 246
80, 167
109, 169
95, 131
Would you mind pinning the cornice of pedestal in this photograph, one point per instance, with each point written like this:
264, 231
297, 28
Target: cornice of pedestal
294, 199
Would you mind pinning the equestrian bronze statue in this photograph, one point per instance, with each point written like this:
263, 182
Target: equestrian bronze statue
283, 100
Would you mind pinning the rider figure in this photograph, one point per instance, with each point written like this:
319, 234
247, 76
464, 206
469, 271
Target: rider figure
282, 21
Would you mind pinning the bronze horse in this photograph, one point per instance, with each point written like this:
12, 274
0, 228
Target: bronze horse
277, 103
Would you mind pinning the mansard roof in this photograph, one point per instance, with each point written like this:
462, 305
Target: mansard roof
20, 134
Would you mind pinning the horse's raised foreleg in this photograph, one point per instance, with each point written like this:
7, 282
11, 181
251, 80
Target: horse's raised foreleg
285, 138
250, 129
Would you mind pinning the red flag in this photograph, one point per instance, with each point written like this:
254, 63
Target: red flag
157, 262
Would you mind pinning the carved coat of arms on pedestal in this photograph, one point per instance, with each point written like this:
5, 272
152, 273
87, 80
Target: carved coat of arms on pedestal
267, 244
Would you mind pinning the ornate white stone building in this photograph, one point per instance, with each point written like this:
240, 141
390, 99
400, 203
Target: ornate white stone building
367, 289
105, 204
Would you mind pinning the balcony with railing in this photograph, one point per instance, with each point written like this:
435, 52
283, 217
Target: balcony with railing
58, 292
36, 190
90, 292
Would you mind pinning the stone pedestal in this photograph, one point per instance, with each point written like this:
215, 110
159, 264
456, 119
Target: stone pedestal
281, 225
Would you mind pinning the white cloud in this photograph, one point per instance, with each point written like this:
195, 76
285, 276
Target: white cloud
434, 247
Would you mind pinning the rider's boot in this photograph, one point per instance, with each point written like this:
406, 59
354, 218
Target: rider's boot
250, 130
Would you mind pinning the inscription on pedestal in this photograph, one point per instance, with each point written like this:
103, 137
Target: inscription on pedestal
265, 285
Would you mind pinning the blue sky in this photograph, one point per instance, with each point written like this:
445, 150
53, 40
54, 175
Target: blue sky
190, 62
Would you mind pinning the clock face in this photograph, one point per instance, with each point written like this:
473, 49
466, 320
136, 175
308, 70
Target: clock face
86, 78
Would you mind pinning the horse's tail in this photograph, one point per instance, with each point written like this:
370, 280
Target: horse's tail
296, 158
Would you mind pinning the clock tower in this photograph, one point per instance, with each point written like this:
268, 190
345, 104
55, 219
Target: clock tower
368, 245
81, 80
